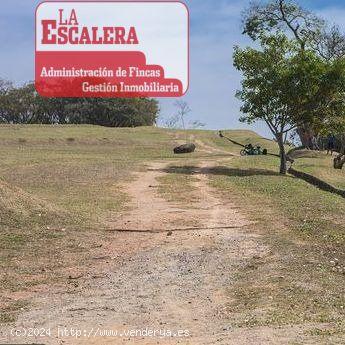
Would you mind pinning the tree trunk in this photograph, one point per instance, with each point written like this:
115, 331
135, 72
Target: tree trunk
339, 161
305, 134
282, 154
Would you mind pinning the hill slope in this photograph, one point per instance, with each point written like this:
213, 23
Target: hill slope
81, 206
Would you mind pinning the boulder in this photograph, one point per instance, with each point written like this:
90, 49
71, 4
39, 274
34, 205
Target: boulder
186, 148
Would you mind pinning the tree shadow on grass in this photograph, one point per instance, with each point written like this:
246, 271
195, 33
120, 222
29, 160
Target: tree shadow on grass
219, 170
227, 171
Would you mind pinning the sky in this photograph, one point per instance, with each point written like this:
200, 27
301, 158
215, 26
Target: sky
215, 29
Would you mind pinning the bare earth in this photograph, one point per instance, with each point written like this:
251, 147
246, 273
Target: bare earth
149, 277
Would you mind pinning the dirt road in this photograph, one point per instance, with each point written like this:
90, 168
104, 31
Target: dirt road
167, 268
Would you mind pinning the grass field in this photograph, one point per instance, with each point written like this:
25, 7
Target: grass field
57, 186
60, 184
306, 231
319, 165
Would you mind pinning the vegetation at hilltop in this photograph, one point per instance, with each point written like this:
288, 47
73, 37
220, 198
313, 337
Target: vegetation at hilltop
24, 105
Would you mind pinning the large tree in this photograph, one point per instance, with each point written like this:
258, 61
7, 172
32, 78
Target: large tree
309, 31
286, 87
5, 88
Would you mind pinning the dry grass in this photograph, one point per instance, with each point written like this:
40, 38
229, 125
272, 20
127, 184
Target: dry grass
55, 194
179, 186
58, 187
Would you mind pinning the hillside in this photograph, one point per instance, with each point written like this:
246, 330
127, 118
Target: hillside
83, 209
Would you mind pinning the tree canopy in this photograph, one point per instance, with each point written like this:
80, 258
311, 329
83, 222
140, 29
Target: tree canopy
288, 17
305, 86
24, 105
286, 87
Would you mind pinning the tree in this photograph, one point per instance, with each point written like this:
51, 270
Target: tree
172, 121
329, 44
309, 31
196, 124
5, 87
25, 105
286, 87
280, 16
336, 125
285, 16
183, 110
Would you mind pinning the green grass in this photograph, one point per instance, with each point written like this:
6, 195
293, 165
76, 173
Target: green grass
243, 137
304, 229
316, 213
321, 166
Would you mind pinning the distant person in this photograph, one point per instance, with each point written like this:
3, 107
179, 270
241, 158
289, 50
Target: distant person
315, 144
330, 143
250, 149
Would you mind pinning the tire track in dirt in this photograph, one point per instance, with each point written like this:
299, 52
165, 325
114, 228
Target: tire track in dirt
151, 212
176, 282
213, 150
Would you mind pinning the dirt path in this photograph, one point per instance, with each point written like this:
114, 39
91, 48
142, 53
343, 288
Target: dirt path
157, 279
212, 150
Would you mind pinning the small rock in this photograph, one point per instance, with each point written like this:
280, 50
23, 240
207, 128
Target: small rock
169, 233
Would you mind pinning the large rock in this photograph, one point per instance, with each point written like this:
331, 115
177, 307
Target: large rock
186, 148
